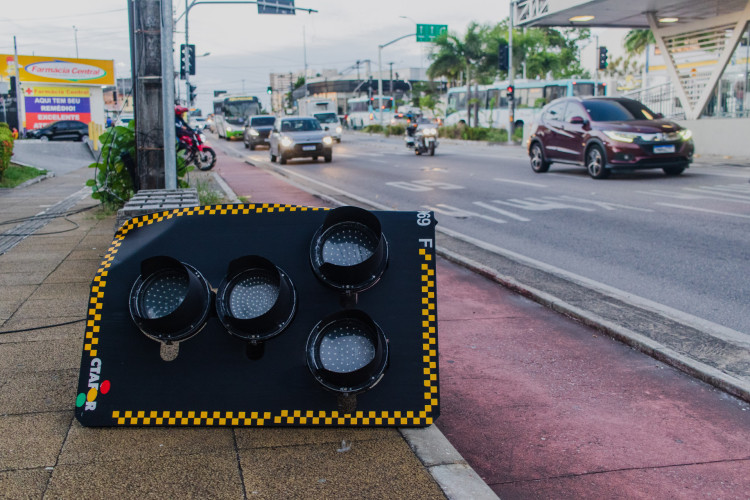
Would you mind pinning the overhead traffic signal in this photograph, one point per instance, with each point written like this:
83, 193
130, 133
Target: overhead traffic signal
503, 57
603, 58
264, 315
193, 94
187, 60
510, 92
269, 90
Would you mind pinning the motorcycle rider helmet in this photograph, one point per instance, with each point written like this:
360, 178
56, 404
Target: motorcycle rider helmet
180, 110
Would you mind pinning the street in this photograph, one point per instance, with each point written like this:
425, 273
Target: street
675, 243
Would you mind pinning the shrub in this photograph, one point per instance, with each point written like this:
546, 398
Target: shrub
6, 147
373, 129
115, 178
395, 130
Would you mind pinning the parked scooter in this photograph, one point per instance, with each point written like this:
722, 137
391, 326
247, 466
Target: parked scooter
421, 136
198, 154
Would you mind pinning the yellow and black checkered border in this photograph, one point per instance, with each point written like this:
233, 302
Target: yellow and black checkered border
285, 417
93, 320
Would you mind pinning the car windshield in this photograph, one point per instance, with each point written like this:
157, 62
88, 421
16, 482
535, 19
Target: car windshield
262, 121
300, 125
602, 110
327, 117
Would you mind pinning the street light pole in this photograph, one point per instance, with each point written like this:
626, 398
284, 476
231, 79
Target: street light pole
75, 36
380, 73
511, 75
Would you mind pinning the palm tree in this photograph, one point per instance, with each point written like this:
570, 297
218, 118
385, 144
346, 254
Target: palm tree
452, 56
636, 41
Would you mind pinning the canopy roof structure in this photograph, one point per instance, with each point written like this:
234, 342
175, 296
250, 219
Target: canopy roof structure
697, 37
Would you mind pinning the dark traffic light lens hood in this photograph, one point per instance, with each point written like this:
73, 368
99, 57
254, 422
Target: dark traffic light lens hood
349, 251
256, 300
170, 301
347, 352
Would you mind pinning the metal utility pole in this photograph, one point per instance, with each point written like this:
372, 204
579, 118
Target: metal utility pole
20, 101
167, 94
75, 35
596, 66
147, 81
380, 74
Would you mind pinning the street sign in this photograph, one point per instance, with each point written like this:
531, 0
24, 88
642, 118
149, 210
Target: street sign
276, 7
428, 32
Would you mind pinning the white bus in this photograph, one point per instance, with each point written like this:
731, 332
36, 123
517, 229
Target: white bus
231, 113
364, 111
530, 96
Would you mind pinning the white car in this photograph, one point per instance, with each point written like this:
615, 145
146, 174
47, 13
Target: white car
299, 137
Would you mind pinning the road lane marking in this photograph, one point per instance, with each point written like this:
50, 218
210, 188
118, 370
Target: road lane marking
602, 204
501, 211
511, 181
460, 213
540, 205
704, 210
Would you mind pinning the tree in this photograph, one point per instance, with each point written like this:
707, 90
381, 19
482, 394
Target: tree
453, 56
636, 41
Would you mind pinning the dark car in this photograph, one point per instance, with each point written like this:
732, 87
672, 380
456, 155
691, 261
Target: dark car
257, 130
606, 133
299, 137
64, 130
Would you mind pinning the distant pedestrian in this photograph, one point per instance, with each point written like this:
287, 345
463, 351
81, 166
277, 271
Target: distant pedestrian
14, 133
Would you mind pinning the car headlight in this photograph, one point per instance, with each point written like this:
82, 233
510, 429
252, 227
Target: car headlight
339, 129
685, 134
254, 132
327, 141
286, 142
619, 136
229, 129
430, 131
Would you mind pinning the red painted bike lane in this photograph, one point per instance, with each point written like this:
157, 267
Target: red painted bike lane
544, 407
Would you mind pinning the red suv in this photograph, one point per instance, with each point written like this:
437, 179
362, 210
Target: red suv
605, 133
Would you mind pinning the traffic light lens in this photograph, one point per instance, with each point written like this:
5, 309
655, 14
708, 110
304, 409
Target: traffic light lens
253, 295
348, 244
163, 293
346, 348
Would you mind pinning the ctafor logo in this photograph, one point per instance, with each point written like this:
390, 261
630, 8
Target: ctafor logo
95, 388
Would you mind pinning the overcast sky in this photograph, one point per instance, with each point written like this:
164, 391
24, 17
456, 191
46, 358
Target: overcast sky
244, 46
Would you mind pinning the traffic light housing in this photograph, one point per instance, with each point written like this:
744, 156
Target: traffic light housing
269, 90
264, 315
187, 60
603, 58
193, 94
510, 92
503, 57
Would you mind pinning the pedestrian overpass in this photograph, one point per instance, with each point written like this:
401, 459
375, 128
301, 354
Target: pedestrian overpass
705, 45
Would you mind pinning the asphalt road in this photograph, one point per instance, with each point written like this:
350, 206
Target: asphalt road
680, 242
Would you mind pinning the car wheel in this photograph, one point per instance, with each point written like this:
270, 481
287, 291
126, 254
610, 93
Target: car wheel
282, 159
595, 163
44, 138
328, 157
536, 158
84, 137
673, 170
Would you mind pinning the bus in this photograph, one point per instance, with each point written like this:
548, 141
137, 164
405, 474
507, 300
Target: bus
364, 111
530, 96
231, 113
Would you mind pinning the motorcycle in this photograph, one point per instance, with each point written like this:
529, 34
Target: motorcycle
422, 138
197, 153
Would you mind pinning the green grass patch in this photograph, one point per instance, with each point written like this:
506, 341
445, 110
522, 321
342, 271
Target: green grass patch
17, 174
207, 195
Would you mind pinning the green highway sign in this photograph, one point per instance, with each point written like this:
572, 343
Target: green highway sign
428, 32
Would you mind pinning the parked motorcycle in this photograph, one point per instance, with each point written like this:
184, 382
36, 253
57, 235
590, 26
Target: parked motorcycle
198, 154
421, 136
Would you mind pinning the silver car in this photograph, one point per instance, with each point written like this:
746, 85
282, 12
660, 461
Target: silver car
299, 137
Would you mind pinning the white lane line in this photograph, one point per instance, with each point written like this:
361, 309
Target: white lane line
703, 210
533, 184
501, 211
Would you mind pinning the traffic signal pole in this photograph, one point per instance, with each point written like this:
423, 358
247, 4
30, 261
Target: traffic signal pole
596, 70
511, 102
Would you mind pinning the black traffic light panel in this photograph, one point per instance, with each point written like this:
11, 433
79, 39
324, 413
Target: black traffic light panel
269, 90
193, 93
510, 92
503, 57
264, 315
603, 58
187, 60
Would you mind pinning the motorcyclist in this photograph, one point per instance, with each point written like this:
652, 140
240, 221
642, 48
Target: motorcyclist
182, 129
411, 127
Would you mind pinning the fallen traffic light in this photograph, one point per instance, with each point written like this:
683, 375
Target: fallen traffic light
333, 310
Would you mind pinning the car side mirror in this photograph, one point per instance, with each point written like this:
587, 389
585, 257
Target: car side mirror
578, 120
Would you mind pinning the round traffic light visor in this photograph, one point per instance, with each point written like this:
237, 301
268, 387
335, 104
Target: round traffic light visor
170, 300
256, 300
347, 352
349, 251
